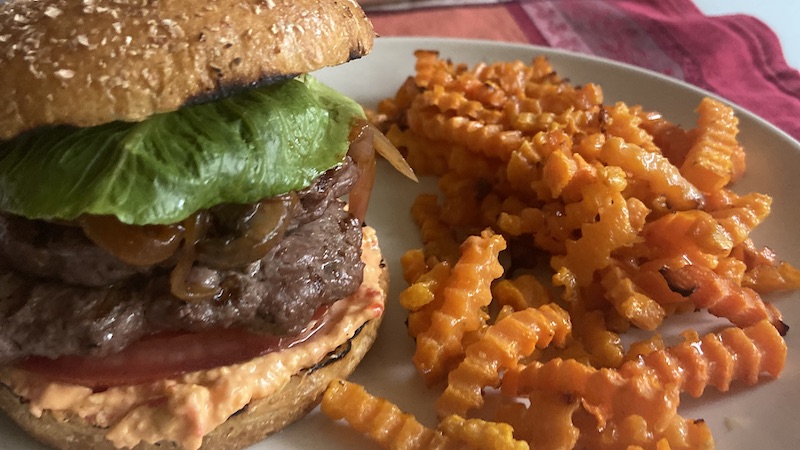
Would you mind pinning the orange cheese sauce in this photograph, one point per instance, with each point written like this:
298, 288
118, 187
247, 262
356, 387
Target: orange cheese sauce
186, 408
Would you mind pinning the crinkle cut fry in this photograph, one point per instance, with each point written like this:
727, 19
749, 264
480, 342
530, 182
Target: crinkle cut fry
718, 359
635, 433
492, 85
624, 122
769, 278
480, 434
723, 298
592, 341
709, 164
607, 394
457, 103
673, 141
430, 70
381, 420
468, 164
546, 423
427, 295
521, 292
425, 156
629, 301
663, 177
414, 265
461, 206
555, 421
466, 292
560, 169
425, 287
592, 251
667, 240
764, 273
606, 387
484, 84
744, 214
489, 139
501, 347
438, 238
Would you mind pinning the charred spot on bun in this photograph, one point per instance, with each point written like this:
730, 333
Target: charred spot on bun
177, 264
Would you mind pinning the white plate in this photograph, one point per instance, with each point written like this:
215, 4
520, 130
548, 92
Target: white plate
745, 418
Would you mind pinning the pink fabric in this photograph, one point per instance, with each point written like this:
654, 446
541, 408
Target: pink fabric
737, 57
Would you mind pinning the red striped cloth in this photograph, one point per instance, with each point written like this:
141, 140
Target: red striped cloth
737, 57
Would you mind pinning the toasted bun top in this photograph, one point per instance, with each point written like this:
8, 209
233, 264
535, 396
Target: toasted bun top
89, 62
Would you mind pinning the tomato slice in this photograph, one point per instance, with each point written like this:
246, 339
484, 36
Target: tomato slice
157, 356
165, 355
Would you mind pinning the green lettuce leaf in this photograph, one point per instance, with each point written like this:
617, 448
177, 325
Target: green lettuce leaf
258, 144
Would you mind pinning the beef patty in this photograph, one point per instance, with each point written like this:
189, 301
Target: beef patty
63, 295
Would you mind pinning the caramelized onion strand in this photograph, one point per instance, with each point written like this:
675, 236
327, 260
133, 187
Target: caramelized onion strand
195, 226
139, 245
390, 153
363, 154
265, 228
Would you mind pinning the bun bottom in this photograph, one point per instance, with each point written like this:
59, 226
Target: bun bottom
256, 421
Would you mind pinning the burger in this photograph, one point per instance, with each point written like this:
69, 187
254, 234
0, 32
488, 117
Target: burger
178, 265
